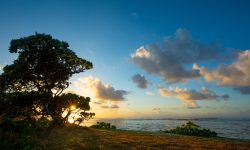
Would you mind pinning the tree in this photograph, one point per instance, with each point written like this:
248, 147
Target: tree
34, 83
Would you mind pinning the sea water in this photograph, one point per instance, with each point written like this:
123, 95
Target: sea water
238, 129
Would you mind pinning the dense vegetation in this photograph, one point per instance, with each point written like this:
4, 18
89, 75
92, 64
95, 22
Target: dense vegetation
192, 129
31, 88
32, 96
103, 125
19, 134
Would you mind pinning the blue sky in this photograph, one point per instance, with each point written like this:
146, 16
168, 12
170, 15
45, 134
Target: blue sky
109, 33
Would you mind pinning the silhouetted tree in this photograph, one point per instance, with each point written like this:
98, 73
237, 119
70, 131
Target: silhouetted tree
34, 83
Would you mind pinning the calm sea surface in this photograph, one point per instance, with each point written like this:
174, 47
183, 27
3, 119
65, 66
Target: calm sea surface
239, 129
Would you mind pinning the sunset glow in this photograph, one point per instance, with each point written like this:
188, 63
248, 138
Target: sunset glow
73, 107
71, 120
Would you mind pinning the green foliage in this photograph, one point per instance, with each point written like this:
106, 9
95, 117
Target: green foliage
84, 116
16, 134
42, 124
103, 125
33, 85
190, 124
192, 129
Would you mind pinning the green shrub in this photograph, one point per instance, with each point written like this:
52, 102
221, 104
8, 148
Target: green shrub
192, 129
42, 124
103, 125
16, 134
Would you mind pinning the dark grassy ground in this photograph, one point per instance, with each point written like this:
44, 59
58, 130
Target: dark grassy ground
70, 138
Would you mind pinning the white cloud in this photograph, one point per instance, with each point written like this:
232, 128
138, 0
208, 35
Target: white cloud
189, 97
100, 90
236, 75
103, 95
140, 81
170, 59
141, 52
149, 93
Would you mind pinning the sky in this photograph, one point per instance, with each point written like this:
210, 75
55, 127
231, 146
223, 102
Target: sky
152, 59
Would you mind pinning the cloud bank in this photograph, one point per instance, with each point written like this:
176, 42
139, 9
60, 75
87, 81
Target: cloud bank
189, 98
236, 75
171, 59
140, 81
104, 91
103, 95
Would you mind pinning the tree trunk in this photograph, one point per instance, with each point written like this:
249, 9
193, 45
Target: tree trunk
56, 116
52, 110
57, 120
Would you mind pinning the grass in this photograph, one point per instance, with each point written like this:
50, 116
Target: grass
74, 137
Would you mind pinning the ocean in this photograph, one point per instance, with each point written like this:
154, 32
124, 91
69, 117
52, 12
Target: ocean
236, 129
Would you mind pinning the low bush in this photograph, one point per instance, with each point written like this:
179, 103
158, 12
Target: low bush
192, 129
19, 134
16, 134
43, 124
103, 125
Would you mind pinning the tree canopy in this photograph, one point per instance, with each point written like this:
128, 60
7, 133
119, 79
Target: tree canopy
33, 85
